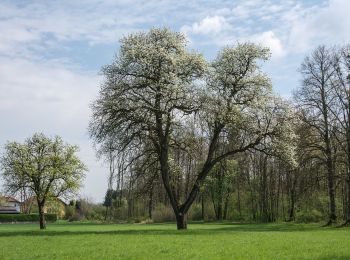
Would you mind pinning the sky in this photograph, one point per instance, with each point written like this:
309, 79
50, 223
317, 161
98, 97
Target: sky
51, 54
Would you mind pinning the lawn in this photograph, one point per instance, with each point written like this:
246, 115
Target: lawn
162, 241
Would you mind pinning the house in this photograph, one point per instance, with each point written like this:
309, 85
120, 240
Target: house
9, 205
53, 205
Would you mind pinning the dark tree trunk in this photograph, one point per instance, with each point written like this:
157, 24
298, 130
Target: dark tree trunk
331, 192
150, 202
226, 205
220, 215
106, 215
181, 221
264, 191
239, 200
41, 216
291, 210
203, 206
347, 222
292, 198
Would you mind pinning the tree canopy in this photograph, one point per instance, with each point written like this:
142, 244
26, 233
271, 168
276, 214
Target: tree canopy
47, 166
155, 88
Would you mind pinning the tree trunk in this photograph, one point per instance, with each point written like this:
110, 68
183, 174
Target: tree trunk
292, 198
181, 221
239, 200
41, 216
226, 205
219, 211
347, 222
331, 192
203, 206
150, 202
291, 210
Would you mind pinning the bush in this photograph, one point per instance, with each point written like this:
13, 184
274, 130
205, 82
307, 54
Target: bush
96, 212
146, 221
26, 217
69, 212
75, 217
309, 216
163, 214
195, 213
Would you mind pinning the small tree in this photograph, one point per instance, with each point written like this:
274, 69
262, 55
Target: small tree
48, 167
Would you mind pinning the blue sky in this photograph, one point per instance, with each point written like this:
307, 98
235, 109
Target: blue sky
51, 53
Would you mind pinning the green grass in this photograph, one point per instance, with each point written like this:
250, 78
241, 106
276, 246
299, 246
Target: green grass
162, 241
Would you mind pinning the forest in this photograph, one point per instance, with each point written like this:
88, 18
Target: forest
189, 139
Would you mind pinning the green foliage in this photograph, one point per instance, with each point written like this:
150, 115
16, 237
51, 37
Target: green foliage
86, 210
312, 216
48, 166
109, 197
195, 213
26, 217
70, 210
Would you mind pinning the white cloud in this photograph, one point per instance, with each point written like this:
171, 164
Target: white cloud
208, 25
269, 39
37, 22
326, 24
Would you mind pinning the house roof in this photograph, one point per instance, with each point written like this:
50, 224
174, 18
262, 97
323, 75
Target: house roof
9, 199
33, 198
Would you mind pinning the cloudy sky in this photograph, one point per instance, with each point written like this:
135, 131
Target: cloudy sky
51, 53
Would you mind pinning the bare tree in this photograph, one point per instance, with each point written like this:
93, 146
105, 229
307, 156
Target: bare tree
315, 99
341, 110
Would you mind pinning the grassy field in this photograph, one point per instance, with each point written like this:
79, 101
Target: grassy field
162, 241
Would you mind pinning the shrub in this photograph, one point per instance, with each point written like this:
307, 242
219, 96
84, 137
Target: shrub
195, 213
146, 221
26, 217
75, 217
96, 212
163, 214
309, 216
69, 212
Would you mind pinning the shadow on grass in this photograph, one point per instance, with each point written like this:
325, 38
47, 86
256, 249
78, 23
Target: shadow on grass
194, 229
334, 257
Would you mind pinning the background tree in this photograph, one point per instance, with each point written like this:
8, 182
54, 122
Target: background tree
315, 99
340, 109
48, 167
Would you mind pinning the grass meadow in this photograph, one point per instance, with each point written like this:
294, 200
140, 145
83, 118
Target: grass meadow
162, 241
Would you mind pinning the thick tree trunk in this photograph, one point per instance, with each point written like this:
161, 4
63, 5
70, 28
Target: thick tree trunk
181, 221
41, 216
